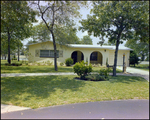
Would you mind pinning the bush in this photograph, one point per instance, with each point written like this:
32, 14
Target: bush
82, 69
61, 64
14, 58
104, 72
7, 64
49, 63
69, 61
16, 64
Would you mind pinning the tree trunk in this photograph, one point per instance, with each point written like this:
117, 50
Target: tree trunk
9, 60
55, 52
115, 60
143, 56
18, 52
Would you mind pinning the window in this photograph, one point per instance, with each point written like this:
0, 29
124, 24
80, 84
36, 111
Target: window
48, 53
93, 56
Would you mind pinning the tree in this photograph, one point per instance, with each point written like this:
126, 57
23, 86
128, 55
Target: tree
40, 33
133, 58
57, 13
14, 44
86, 40
140, 48
16, 18
66, 34
118, 21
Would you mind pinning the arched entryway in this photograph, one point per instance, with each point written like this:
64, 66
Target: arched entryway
77, 56
96, 58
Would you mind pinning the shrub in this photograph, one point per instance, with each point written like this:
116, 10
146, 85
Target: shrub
14, 58
49, 63
82, 69
16, 64
61, 64
39, 64
104, 72
69, 61
7, 64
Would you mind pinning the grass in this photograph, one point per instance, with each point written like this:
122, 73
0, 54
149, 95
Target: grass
39, 69
141, 66
43, 91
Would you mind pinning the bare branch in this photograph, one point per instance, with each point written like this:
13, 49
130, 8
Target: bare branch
43, 17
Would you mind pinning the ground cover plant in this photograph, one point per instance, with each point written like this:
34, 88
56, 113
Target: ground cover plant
43, 91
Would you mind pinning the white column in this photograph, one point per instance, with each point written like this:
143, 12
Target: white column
88, 60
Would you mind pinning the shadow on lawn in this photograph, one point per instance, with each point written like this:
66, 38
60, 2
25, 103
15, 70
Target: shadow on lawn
126, 79
36, 86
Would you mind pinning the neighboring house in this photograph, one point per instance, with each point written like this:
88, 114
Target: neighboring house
94, 54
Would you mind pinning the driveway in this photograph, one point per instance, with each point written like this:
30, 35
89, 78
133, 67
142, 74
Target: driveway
136, 72
119, 109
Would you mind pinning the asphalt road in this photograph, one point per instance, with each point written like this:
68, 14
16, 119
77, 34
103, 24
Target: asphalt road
120, 109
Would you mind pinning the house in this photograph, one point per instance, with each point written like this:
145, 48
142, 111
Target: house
94, 54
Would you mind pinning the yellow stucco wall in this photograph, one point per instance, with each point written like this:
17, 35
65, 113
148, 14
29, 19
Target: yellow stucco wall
67, 51
119, 58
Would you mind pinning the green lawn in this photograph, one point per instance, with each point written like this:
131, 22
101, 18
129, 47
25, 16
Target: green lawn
43, 91
39, 69
141, 66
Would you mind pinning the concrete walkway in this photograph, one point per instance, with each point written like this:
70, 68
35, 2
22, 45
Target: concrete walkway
10, 108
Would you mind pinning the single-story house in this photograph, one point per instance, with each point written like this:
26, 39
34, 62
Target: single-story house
94, 54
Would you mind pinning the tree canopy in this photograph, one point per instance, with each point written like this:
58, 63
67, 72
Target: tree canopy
86, 40
140, 48
40, 33
16, 18
118, 21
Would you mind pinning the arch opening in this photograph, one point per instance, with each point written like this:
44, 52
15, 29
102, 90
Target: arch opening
77, 56
96, 57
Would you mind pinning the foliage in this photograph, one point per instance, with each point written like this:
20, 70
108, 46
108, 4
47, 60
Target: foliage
16, 18
82, 69
140, 48
104, 72
40, 33
86, 40
13, 64
66, 34
61, 64
118, 21
16, 64
133, 58
14, 58
69, 61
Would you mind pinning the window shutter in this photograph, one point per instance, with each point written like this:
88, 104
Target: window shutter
60, 53
37, 53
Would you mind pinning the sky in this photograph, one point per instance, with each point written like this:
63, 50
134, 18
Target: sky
84, 12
